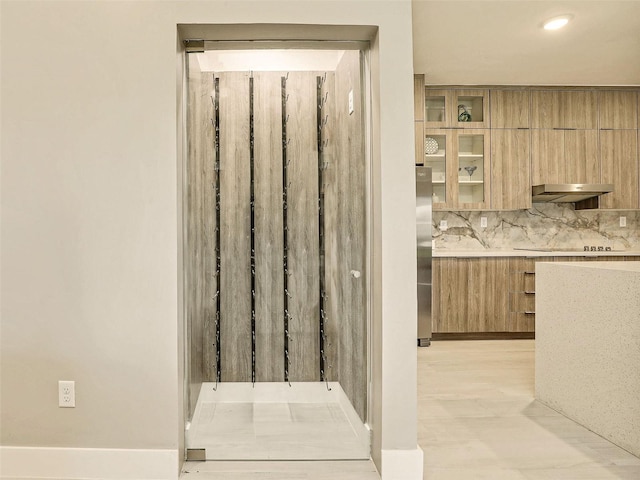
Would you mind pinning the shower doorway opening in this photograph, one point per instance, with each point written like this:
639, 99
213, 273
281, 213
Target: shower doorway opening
276, 251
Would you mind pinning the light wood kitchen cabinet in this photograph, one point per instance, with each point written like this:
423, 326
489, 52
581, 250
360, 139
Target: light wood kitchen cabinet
537, 135
456, 108
619, 156
564, 156
522, 289
450, 285
486, 295
564, 109
509, 108
459, 161
618, 110
418, 116
510, 169
490, 294
467, 295
418, 98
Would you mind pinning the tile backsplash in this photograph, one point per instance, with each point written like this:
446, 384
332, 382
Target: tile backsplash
543, 226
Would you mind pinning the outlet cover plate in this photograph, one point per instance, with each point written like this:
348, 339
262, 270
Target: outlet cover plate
66, 394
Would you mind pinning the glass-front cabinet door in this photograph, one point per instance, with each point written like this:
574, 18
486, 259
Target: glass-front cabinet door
437, 108
457, 108
470, 108
471, 148
436, 154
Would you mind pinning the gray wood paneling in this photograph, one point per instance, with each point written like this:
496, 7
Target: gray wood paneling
235, 323
208, 222
345, 223
268, 227
302, 221
197, 242
331, 205
351, 234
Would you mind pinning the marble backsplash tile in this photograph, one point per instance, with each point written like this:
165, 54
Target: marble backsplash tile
543, 226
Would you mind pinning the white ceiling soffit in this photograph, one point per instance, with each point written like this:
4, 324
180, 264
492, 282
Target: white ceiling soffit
269, 60
489, 42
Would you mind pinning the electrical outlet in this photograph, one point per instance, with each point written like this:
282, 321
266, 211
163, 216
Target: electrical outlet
483, 222
66, 393
443, 225
623, 221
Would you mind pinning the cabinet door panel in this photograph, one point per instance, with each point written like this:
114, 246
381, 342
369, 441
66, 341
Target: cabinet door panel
471, 167
547, 156
453, 289
510, 172
619, 156
418, 98
582, 160
509, 108
545, 109
488, 295
563, 109
579, 109
618, 110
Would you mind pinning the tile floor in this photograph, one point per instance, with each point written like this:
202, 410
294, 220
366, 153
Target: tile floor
477, 420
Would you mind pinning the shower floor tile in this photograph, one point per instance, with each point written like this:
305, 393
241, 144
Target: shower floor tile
275, 430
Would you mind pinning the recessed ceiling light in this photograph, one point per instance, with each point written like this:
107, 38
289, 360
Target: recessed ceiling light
557, 22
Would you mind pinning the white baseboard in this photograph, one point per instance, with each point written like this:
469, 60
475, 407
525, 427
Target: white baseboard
88, 463
402, 464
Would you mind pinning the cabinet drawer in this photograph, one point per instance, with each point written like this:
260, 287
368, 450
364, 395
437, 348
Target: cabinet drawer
521, 302
522, 282
522, 322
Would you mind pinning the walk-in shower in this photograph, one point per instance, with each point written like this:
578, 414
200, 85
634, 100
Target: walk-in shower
276, 254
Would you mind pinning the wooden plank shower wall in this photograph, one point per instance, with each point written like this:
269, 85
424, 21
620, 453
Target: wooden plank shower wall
345, 225
344, 186
199, 256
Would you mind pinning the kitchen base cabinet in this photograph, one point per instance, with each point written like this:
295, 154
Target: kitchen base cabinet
490, 297
522, 289
470, 295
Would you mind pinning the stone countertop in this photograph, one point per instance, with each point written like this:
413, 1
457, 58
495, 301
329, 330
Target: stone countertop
619, 266
442, 253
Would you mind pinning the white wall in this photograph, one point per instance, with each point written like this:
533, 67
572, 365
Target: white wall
90, 218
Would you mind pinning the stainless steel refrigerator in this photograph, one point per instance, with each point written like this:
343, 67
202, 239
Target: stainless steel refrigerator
423, 230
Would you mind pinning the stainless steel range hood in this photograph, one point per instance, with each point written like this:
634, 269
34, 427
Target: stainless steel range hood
568, 192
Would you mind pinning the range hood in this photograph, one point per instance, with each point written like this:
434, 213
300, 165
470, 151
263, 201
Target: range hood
568, 192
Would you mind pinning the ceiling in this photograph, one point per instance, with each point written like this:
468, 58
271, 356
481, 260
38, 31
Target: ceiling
491, 42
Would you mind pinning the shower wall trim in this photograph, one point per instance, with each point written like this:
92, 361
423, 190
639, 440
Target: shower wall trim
252, 231
285, 187
216, 186
321, 243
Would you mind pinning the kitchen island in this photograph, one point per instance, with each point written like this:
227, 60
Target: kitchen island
588, 346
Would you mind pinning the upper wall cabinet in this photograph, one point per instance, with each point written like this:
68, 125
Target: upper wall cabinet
619, 153
459, 161
456, 108
564, 156
618, 110
510, 108
510, 169
564, 109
